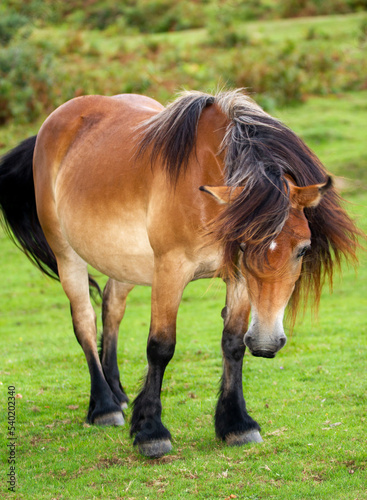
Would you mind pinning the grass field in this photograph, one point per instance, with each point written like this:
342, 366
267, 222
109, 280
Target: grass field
283, 60
310, 400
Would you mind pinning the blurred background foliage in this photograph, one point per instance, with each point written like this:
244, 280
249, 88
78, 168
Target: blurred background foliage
52, 50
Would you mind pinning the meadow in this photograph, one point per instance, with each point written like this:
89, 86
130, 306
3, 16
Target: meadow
310, 400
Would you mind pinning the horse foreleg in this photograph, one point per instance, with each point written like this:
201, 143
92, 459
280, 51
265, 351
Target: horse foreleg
151, 436
232, 422
113, 309
104, 408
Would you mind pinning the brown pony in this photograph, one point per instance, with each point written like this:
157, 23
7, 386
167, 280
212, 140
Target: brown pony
211, 186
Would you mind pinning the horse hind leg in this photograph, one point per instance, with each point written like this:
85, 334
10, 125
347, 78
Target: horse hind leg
104, 408
113, 309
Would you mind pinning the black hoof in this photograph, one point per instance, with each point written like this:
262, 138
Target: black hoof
153, 439
106, 412
241, 438
116, 418
155, 449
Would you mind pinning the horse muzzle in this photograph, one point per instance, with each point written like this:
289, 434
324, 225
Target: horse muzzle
265, 346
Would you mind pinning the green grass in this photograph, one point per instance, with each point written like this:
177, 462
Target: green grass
335, 127
284, 61
316, 381
341, 28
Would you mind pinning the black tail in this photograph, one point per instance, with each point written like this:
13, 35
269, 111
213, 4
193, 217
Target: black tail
18, 213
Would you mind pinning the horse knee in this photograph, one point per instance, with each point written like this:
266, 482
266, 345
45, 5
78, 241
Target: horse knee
160, 351
232, 346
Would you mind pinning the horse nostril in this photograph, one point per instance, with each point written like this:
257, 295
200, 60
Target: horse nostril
247, 339
282, 341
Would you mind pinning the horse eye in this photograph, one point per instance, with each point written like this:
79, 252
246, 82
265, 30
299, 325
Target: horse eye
242, 247
302, 251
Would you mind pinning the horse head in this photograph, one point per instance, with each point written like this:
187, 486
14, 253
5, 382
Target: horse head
271, 279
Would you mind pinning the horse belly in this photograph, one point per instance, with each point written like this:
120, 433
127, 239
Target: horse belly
121, 251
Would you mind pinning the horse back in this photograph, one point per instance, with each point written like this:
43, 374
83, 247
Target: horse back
96, 133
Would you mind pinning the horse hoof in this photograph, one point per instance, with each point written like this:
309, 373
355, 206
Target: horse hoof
252, 436
123, 405
155, 449
115, 418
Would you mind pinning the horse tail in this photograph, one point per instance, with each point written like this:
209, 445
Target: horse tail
18, 211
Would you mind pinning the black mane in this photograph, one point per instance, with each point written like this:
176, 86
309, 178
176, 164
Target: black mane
172, 133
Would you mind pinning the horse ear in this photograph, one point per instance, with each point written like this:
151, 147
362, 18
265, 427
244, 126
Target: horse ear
223, 194
309, 196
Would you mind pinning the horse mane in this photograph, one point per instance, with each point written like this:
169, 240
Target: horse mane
260, 152
171, 134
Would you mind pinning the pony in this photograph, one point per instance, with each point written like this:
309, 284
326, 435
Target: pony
209, 186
